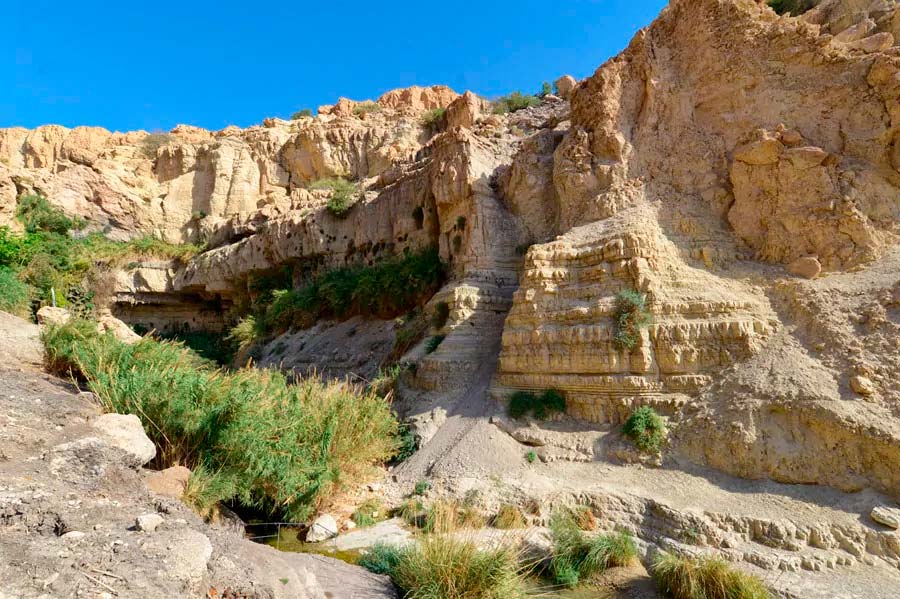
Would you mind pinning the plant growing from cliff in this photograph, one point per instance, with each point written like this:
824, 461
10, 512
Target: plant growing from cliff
541, 406
683, 577
434, 119
531, 457
301, 114
268, 444
546, 90
515, 101
344, 194
577, 556
364, 108
630, 317
646, 428
38, 215
440, 315
151, 144
422, 487
791, 7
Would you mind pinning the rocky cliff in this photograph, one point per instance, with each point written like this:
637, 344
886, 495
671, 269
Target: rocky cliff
738, 167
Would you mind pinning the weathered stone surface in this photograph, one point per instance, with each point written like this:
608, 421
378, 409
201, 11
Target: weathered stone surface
889, 516
50, 316
322, 528
148, 522
807, 267
126, 432
170, 482
565, 85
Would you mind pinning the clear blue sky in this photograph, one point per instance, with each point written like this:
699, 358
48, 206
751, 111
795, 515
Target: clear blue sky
130, 65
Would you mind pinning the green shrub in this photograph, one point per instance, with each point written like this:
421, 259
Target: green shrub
646, 428
444, 567
508, 517
791, 7
14, 295
683, 577
216, 347
434, 119
546, 90
390, 287
542, 406
422, 487
245, 335
303, 113
368, 514
153, 142
344, 195
531, 457
364, 108
433, 343
297, 443
411, 511
630, 317
577, 556
515, 101
36, 213
441, 315
381, 558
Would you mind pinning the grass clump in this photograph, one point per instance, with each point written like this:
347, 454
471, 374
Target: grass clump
14, 294
443, 567
264, 443
515, 101
540, 406
433, 343
683, 577
790, 7
368, 514
422, 487
630, 317
646, 428
303, 113
577, 556
531, 457
344, 194
411, 511
434, 118
151, 144
508, 517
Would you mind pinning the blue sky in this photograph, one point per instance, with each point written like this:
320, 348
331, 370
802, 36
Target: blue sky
151, 65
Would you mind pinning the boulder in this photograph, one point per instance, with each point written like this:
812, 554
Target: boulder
50, 316
465, 110
807, 267
107, 323
323, 528
862, 385
170, 482
148, 522
565, 85
888, 516
126, 432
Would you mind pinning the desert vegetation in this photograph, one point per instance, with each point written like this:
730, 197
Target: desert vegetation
298, 443
515, 101
539, 405
577, 556
630, 317
364, 108
683, 577
646, 428
151, 144
49, 259
344, 194
302, 113
434, 119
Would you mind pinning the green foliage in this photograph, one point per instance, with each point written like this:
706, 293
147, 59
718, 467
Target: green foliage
531, 457
368, 514
515, 101
217, 347
434, 119
683, 577
576, 556
305, 112
791, 7
344, 194
508, 517
36, 213
14, 294
646, 428
364, 108
381, 558
407, 444
269, 445
630, 316
546, 90
540, 406
440, 315
245, 335
444, 567
441, 517
151, 144
390, 287
422, 487
433, 343
411, 511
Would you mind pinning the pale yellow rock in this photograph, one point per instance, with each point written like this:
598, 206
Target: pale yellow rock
862, 385
565, 85
807, 267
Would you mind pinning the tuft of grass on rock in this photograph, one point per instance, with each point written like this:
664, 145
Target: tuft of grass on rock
508, 517
422, 487
646, 428
344, 195
630, 317
577, 557
368, 514
531, 457
302, 113
434, 119
683, 577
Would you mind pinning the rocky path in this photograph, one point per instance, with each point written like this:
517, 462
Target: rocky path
72, 489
